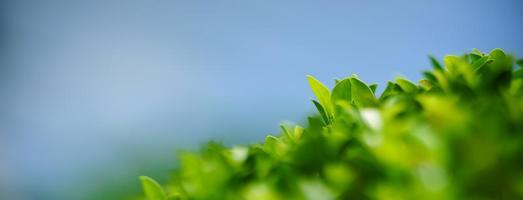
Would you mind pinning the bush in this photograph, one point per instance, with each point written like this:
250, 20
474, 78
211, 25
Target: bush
456, 134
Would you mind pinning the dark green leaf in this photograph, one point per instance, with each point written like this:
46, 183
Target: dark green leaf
430, 76
520, 62
435, 63
323, 114
373, 87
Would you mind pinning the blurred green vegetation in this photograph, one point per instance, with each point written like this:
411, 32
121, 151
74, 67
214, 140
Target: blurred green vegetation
456, 134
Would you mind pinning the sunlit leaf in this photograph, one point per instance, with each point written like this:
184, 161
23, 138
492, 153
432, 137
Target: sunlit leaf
391, 90
362, 95
406, 85
456, 134
322, 94
151, 189
342, 91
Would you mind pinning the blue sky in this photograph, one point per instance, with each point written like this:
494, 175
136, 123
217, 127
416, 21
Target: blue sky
93, 87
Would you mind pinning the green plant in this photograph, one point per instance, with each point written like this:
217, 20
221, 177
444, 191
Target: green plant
456, 134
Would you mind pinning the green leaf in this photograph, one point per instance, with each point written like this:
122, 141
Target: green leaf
390, 90
362, 95
476, 52
452, 63
373, 87
435, 63
520, 62
341, 92
298, 132
408, 146
406, 85
425, 84
271, 141
151, 189
430, 76
286, 132
274, 145
478, 64
322, 93
497, 54
475, 55
518, 73
500, 61
323, 114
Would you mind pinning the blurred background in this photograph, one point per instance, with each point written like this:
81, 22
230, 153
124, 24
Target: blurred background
96, 93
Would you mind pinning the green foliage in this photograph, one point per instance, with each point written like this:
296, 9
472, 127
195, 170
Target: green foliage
152, 190
457, 134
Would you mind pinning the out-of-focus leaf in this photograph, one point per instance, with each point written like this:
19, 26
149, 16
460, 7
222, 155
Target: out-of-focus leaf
455, 135
425, 84
286, 131
518, 73
500, 61
373, 87
151, 189
406, 85
298, 132
520, 62
362, 95
429, 76
452, 63
435, 63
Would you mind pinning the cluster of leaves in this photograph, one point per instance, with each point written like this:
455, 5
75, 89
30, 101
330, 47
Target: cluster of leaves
457, 134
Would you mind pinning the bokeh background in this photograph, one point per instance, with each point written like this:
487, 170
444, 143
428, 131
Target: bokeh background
95, 93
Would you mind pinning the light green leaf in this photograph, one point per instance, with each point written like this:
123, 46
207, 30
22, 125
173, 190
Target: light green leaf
390, 90
476, 52
322, 93
362, 95
151, 189
475, 55
406, 85
271, 141
425, 84
341, 92
452, 63
286, 132
298, 132
274, 145
497, 54
500, 61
